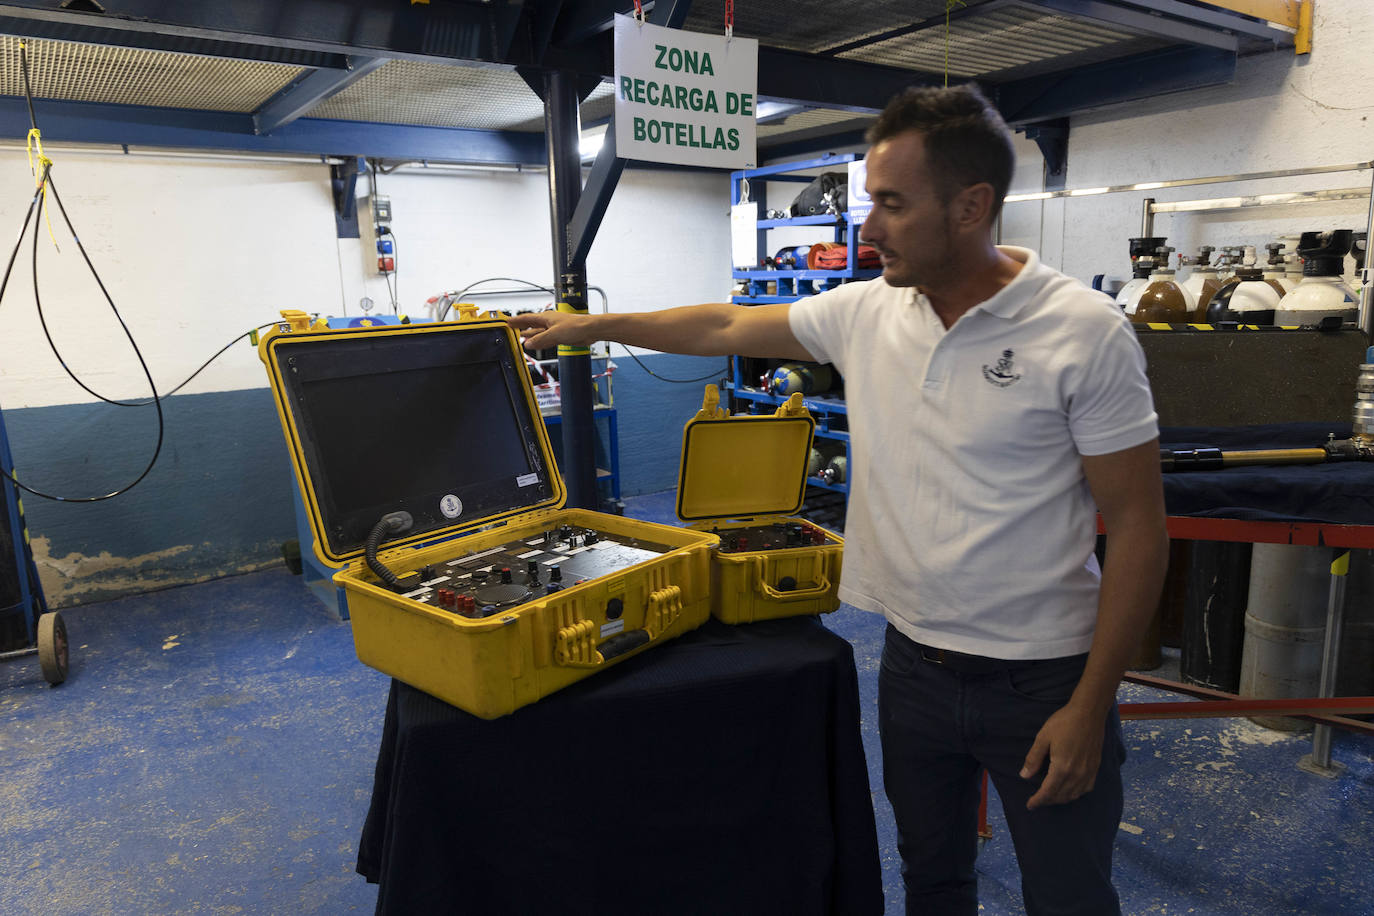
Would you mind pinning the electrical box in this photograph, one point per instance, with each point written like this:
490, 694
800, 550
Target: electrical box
374, 230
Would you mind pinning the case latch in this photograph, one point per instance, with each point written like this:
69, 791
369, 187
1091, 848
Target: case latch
297, 320
710, 406
792, 407
574, 646
665, 605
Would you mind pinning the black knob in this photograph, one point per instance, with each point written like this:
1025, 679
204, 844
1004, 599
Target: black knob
590, 538
555, 573
505, 576
429, 572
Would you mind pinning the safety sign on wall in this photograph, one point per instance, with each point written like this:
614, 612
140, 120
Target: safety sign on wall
684, 97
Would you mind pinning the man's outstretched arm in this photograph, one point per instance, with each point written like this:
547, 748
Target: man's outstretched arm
714, 329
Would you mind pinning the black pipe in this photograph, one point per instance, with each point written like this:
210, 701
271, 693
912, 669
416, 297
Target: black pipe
563, 136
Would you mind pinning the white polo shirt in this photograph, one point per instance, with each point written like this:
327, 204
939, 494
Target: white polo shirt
970, 524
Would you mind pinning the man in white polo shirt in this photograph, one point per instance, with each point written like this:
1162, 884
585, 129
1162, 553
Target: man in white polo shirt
995, 406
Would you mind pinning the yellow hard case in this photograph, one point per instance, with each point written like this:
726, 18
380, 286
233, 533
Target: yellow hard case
494, 665
748, 471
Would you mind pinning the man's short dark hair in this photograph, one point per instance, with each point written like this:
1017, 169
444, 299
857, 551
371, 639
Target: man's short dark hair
966, 140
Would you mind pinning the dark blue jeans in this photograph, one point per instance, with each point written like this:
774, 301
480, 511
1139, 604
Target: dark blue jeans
941, 724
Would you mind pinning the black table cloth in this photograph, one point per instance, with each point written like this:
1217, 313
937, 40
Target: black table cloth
720, 773
1339, 492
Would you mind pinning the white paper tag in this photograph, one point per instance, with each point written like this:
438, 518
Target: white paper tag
744, 236
532, 553
525, 480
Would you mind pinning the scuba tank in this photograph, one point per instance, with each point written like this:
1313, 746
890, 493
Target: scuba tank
1322, 293
1276, 274
1246, 298
1202, 282
836, 470
1163, 300
821, 455
808, 378
792, 257
1143, 247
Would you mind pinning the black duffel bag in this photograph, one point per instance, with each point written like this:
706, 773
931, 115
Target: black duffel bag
828, 193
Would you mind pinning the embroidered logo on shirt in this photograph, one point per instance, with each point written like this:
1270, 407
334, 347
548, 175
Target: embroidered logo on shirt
1004, 374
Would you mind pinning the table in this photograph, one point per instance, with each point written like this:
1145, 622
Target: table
721, 773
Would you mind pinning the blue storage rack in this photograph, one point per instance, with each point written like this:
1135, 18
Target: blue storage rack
831, 415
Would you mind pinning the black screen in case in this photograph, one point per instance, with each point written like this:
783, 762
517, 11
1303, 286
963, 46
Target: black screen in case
400, 420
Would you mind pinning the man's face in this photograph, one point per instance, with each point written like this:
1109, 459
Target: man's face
908, 224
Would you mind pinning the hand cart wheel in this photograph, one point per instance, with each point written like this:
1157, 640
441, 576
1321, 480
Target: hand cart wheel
52, 647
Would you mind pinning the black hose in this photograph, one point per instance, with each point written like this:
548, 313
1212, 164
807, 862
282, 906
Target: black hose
392, 523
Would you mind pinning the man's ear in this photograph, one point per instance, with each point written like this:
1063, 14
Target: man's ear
972, 206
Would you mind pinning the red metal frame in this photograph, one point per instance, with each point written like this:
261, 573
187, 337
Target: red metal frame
1308, 534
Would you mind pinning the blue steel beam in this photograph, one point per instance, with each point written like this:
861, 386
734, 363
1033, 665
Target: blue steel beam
1142, 76
136, 125
308, 90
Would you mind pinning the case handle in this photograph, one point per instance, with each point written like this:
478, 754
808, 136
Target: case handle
800, 594
574, 646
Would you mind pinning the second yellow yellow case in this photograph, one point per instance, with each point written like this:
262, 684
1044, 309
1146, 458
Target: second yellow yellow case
743, 479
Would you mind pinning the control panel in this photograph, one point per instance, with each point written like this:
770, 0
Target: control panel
483, 583
777, 536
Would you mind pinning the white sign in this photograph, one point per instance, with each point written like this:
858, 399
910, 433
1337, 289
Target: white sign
744, 235
684, 97
859, 202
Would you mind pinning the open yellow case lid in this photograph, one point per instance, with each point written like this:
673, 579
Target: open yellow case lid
438, 420
742, 467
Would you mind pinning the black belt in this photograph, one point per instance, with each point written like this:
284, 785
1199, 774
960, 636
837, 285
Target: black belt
969, 664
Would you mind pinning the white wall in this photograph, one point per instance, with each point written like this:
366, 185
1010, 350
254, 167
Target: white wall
196, 252
1282, 112
660, 243
193, 254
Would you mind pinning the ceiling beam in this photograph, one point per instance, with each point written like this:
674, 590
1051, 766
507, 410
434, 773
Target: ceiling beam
1120, 16
369, 28
605, 174
1235, 20
308, 90
176, 44
1143, 76
138, 125
850, 85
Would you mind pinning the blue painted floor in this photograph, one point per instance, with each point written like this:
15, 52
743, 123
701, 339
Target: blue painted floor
212, 752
